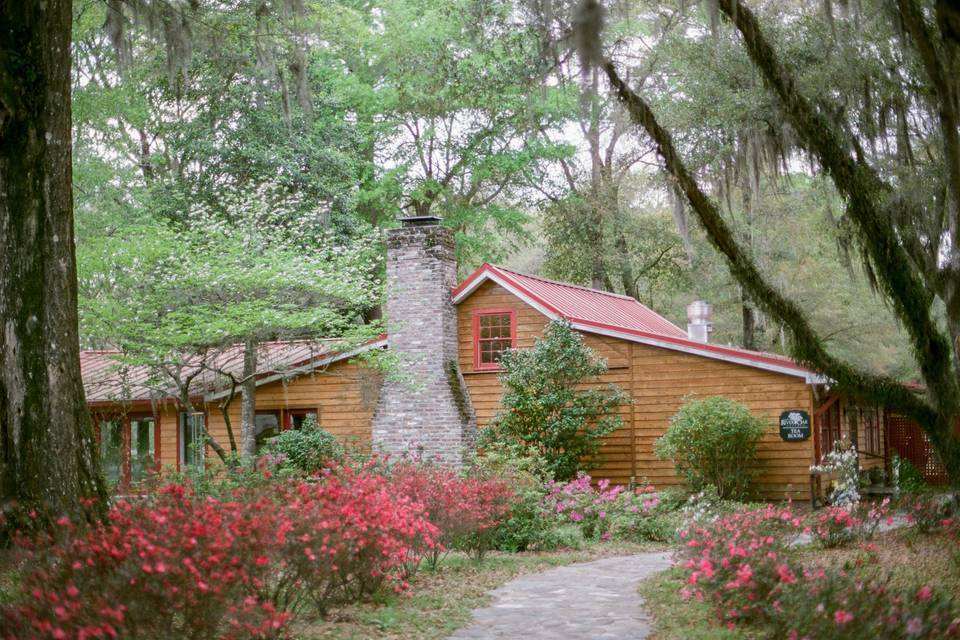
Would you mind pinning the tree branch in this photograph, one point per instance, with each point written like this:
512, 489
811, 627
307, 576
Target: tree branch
864, 191
806, 346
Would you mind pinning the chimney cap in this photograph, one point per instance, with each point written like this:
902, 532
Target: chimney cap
420, 221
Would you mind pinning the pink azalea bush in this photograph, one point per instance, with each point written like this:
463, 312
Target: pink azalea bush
840, 525
599, 511
240, 564
927, 513
741, 564
466, 510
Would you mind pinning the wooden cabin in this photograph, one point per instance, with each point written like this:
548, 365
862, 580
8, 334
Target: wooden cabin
142, 425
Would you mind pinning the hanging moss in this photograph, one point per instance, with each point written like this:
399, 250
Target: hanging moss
460, 397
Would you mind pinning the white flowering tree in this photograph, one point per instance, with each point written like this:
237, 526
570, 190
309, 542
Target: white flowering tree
256, 266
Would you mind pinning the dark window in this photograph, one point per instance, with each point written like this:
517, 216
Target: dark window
266, 426
871, 427
111, 449
143, 455
128, 448
296, 417
191, 441
494, 333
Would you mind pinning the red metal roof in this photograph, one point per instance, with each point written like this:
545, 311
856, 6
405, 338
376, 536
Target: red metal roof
107, 379
613, 314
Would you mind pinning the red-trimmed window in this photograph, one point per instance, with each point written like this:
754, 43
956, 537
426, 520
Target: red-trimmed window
494, 332
129, 447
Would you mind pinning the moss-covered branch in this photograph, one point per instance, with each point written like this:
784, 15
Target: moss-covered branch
866, 194
806, 344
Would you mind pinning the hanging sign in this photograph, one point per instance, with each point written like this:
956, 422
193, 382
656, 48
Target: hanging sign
794, 425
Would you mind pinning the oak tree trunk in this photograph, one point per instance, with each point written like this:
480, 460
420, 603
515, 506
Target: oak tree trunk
48, 460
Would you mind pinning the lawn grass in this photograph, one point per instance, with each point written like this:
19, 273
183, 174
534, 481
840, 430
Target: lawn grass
910, 560
441, 601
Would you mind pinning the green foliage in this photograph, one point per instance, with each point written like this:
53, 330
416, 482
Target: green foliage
910, 479
524, 470
565, 536
713, 442
307, 449
552, 404
661, 526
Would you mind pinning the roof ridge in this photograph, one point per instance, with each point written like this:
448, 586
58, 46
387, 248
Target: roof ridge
572, 286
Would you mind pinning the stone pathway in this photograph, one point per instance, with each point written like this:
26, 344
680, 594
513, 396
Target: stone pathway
590, 601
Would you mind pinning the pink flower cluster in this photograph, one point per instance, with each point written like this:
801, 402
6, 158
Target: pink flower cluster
594, 509
837, 526
741, 564
466, 510
176, 564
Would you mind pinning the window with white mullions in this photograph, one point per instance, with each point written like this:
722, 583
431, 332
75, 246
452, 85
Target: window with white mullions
494, 334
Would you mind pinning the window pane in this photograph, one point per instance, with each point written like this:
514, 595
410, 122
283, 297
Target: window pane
266, 426
297, 419
142, 454
191, 441
111, 450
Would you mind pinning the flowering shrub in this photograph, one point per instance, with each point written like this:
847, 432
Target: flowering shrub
835, 605
181, 565
465, 510
344, 537
928, 513
845, 462
193, 560
524, 470
738, 561
599, 511
578, 502
703, 506
836, 526
740, 564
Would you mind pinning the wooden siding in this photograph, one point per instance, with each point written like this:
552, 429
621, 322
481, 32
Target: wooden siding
658, 380
344, 395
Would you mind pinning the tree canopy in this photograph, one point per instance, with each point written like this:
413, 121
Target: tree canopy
900, 208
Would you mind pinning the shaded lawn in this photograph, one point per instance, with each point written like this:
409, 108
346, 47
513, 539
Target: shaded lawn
441, 601
909, 558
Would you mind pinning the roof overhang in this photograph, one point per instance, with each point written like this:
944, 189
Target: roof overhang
306, 367
716, 352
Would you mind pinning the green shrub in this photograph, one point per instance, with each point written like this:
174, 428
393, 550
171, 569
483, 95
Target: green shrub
911, 479
566, 536
658, 526
713, 442
673, 498
525, 472
306, 449
551, 402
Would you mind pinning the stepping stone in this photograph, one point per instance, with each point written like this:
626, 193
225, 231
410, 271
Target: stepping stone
589, 601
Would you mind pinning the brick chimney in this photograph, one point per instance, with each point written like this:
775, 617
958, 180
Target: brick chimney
427, 411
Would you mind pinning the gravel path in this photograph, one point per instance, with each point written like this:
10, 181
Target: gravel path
593, 600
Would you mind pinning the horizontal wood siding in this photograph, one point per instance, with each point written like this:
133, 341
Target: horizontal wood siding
658, 380
662, 378
344, 395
